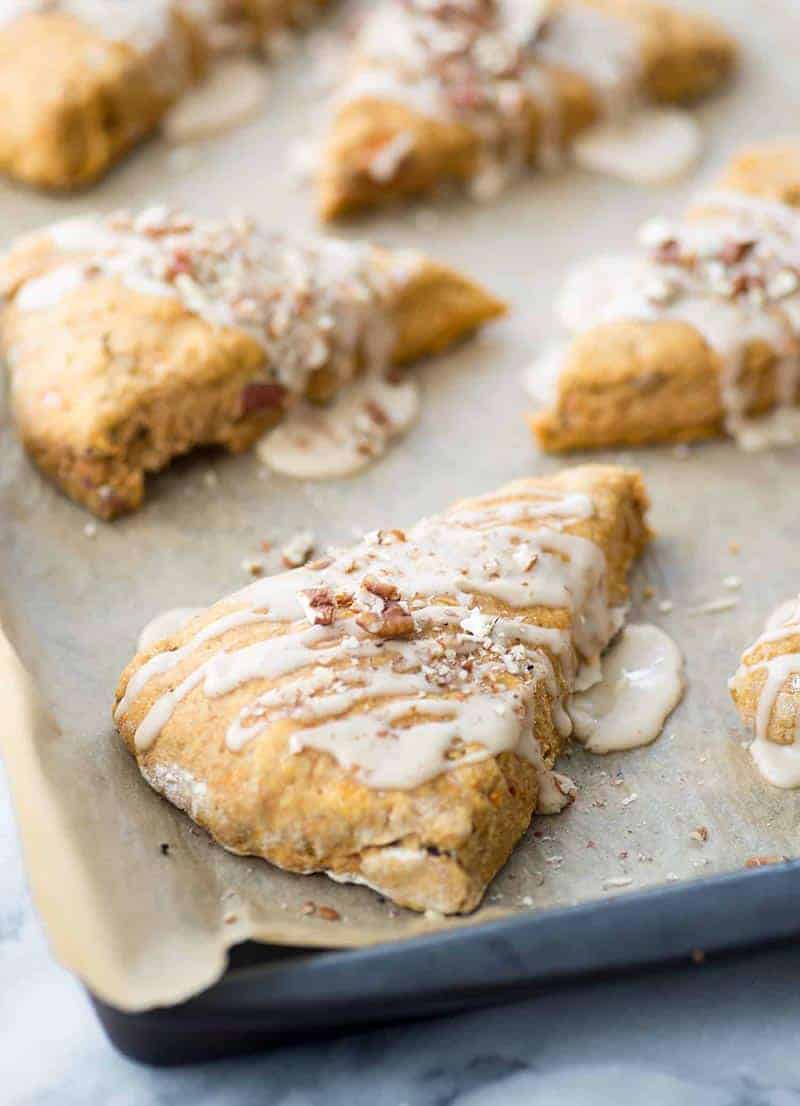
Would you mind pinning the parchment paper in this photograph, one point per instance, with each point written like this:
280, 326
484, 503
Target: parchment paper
143, 928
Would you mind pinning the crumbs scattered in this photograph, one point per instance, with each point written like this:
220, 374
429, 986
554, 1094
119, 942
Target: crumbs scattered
90, 529
298, 549
734, 547
698, 956
629, 799
714, 606
617, 881
164, 847
699, 834
252, 566
665, 606
762, 861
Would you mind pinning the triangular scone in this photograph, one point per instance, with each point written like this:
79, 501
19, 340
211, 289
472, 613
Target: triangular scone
766, 691
473, 91
132, 340
80, 83
694, 336
390, 715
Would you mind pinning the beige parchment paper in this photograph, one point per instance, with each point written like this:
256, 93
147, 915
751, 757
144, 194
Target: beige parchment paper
144, 929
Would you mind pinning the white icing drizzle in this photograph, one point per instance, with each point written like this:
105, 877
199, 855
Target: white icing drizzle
484, 63
342, 437
165, 625
732, 272
778, 763
388, 656
233, 92
640, 684
311, 305
650, 146
147, 26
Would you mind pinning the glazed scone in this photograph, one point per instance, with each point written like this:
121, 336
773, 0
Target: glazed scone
132, 340
766, 691
81, 81
390, 715
696, 335
474, 92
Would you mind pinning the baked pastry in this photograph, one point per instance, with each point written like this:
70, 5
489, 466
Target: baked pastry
475, 91
696, 335
81, 81
390, 714
133, 339
247, 24
766, 691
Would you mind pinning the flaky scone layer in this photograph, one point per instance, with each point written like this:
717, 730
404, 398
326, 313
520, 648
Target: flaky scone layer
385, 145
659, 377
285, 792
75, 102
110, 382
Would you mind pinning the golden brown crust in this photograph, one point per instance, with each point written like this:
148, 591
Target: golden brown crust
641, 383
110, 384
305, 813
683, 58
770, 170
748, 683
73, 102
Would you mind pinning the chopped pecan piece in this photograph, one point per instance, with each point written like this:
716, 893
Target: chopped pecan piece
385, 589
319, 605
394, 620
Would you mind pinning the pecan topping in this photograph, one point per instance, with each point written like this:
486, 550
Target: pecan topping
395, 620
385, 589
260, 395
319, 605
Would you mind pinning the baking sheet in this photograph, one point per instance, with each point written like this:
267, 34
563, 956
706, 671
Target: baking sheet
142, 928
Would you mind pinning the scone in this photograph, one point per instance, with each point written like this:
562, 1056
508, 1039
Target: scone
766, 691
131, 340
697, 334
390, 715
81, 82
475, 91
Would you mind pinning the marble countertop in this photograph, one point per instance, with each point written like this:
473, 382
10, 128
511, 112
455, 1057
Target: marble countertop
719, 1034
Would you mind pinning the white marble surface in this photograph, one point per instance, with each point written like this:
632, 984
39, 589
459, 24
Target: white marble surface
721, 1034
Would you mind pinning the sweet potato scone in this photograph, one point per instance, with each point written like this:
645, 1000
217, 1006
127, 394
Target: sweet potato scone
81, 81
766, 691
133, 339
696, 335
390, 715
474, 91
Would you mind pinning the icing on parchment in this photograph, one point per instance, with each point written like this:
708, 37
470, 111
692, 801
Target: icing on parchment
732, 271
778, 763
640, 684
389, 656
